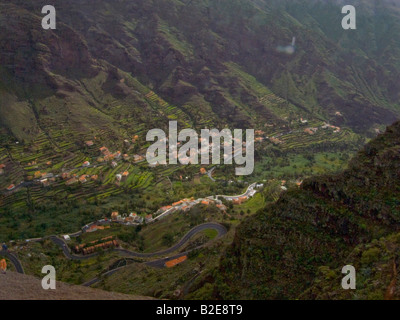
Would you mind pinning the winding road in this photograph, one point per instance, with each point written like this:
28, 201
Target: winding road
14, 260
211, 225
159, 263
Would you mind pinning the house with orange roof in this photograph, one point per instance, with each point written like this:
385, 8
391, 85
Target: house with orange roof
236, 201
82, 178
138, 157
103, 149
49, 163
71, 181
125, 174
94, 177
117, 155
37, 174
92, 228
2, 166
133, 215
129, 219
65, 175
114, 215
86, 164
149, 218
222, 207
203, 171
89, 143
185, 208
11, 187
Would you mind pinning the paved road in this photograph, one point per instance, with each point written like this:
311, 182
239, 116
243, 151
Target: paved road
249, 190
159, 263
14, 260
219, 228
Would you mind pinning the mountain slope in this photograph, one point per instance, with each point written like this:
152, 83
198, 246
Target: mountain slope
277, 253
17, 286
184, 51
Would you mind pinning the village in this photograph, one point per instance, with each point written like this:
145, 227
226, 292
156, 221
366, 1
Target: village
112, 159
183, 205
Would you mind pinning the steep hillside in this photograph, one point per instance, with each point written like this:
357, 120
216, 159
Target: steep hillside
190, 53
278, 252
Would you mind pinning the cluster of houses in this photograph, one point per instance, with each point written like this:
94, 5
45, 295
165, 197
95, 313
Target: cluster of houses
335, 129
106, 156
132, 218
312, 131
74, 178
182, 205
122, 176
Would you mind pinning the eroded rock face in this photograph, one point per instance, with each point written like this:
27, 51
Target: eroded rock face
31, 54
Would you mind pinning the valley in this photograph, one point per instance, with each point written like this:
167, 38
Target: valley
77, 104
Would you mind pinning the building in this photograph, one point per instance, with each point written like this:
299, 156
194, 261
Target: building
114, 164
82, 179
11, 187
86, 164
45, 182
303, 121
89, 143
71, 181
114, 215
65, 175
138, 158
222, 207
